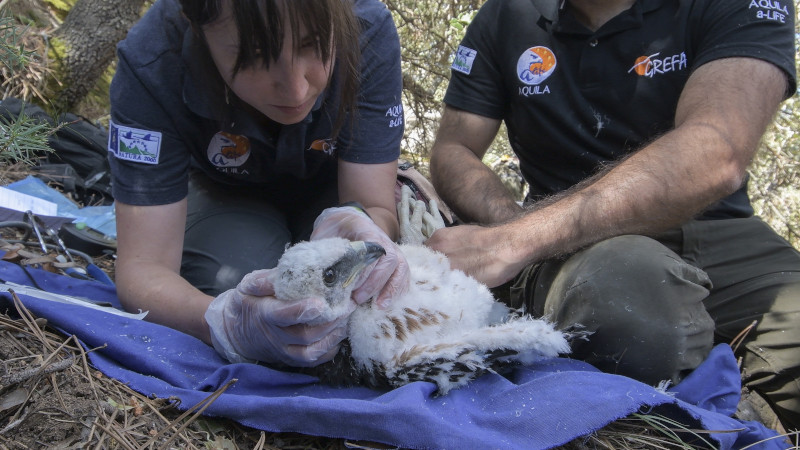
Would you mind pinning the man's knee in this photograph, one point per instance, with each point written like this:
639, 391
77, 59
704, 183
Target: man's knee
643, 304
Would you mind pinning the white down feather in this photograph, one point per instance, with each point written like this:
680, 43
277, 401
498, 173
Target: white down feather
446, 320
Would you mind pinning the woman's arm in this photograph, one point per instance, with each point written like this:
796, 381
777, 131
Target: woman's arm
149, 249
373, 186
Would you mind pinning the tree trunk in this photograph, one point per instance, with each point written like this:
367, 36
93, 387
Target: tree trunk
84, 45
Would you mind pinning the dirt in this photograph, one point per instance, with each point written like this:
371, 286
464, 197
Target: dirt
50, 397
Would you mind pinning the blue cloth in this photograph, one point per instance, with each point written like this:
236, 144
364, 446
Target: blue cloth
541, 406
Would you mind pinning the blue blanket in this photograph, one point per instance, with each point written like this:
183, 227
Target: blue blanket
541, 406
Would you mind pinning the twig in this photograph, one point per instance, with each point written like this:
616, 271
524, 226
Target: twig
27, 374
261, 441
739, 338
114, 435
29, 320
205, 404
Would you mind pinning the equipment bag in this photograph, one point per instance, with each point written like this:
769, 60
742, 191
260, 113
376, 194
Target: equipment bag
77, 143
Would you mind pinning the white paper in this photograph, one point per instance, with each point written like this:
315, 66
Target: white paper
24, 202
59, 298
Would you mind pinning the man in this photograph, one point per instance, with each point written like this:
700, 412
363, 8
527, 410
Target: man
634, 122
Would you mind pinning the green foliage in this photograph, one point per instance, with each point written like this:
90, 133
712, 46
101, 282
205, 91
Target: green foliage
775, 174
430, 31
23, 140
12, 53
460, 23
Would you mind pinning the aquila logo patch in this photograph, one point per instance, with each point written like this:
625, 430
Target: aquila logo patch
535, 65
228, 150
134, 144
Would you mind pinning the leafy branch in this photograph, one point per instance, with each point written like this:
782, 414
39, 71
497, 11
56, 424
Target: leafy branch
24, 139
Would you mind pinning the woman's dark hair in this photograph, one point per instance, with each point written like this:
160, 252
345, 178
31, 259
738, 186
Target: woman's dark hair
261, 30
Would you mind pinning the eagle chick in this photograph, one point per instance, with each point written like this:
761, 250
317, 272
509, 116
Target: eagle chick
446, 329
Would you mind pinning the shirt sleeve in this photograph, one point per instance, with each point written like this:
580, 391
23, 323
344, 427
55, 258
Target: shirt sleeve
374, 133
139, 127
747, 28
149, 159
476, 84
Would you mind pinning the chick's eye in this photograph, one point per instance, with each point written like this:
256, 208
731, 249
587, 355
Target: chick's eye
329, 277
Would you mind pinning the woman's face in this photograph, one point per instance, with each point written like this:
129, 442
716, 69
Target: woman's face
286, 91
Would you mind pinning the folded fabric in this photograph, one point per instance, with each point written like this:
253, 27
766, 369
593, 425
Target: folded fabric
540, 406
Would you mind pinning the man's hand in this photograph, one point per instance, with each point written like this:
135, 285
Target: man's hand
388, 277
477, 251
249, 324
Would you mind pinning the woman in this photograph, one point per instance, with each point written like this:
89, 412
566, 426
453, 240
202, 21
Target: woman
237, 127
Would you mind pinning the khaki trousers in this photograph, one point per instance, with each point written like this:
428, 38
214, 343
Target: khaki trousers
657, 306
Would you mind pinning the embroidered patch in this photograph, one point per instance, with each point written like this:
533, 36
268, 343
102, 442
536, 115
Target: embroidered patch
327, 146
464, 59
228, 150
650, 66
133, 144
535, 65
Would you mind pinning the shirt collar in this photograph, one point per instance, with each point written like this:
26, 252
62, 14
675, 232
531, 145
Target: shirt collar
632, 18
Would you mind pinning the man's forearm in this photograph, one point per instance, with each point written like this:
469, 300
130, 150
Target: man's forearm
719, 122
470, 188
648, 193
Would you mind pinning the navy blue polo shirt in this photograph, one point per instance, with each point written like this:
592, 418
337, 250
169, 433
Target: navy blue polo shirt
573, 99
170, 112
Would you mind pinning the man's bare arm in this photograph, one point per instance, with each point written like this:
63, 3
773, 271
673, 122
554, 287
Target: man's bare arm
720, 119
469, 187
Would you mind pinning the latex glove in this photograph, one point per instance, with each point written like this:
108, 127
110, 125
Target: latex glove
388, 277
249, 324
418, 221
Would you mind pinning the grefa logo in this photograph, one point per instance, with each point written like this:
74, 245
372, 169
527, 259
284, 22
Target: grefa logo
650, 66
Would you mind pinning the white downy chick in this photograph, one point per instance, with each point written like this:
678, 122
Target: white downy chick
447, 329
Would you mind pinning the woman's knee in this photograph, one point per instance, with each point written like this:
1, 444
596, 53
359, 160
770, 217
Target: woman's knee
220, 249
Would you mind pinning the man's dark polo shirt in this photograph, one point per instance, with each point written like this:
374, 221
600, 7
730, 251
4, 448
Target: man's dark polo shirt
574, 99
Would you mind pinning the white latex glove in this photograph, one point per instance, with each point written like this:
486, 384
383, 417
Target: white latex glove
388, 277
418, 221
249, 324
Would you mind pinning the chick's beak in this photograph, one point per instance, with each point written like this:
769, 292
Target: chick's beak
359, 256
